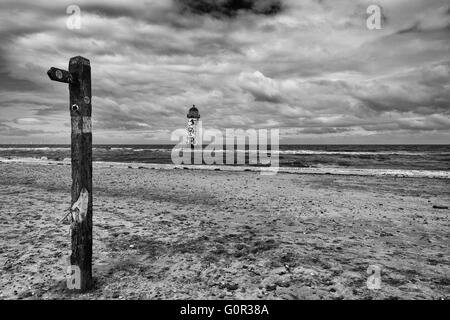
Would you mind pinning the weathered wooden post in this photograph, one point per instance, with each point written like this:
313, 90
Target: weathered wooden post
79, 79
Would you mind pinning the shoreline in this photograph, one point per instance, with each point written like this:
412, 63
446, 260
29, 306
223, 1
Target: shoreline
400, 173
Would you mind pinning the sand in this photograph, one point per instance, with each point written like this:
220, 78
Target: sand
202, 234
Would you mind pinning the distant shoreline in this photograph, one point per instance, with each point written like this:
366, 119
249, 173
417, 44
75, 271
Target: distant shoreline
432, 174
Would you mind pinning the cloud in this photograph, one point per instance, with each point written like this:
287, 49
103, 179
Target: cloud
310, 68
261, 87
10, 131
229, 8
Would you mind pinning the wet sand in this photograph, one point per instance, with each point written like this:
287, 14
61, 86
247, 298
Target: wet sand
202, 234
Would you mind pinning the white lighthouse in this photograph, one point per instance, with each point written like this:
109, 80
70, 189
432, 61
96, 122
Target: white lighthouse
192, 127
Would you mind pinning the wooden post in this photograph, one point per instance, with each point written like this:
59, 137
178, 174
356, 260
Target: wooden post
79, 79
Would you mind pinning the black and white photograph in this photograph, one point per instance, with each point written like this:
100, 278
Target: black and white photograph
224, 150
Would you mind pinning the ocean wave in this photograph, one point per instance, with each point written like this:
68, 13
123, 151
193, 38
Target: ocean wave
441, 174
319, 152
357, 153
94, 148
120, 149
130, 149
35, 149
280, 152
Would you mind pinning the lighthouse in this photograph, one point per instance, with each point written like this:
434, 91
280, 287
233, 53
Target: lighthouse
192, 127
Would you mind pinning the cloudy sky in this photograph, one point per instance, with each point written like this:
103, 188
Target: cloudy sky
310, 68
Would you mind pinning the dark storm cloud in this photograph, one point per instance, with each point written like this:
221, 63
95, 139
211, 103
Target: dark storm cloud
229, 8
113, 10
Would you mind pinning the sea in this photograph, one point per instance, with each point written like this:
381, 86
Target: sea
426, 158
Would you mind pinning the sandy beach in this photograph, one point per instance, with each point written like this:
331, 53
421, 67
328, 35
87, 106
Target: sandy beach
205, 234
